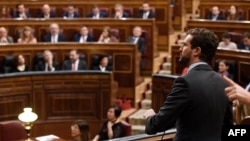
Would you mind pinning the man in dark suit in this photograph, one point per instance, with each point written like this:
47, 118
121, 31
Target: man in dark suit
47, 13
21, 12
71, 13
215, 14
83, 36
103, 64
146, 12
74, 63
119, 13
4, 38
197, 103
54, 36
96, 13
245, 43
137, 39
48, 64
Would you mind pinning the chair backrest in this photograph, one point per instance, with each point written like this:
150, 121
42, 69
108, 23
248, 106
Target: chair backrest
104, 10
12, 130
127, 128
115, 32
8, 63
128, 10
236, 37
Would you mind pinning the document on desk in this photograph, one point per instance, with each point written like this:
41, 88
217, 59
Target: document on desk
47, 138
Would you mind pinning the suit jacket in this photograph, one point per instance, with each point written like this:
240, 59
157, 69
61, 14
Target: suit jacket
243, 46
16, 15
102, 15
77, 38
41, 66
141, 43
76, 15
197, 104
67, 65
9, 39
219, 17
51, 15
108, 68
47, 38
150, 15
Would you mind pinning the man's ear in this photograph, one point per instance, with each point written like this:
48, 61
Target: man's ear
197, 51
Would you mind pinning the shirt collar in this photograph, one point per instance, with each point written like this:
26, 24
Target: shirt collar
195, 64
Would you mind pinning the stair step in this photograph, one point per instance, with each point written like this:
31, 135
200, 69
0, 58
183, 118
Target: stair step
148, 94
137, 118
165, 72
166, 66
138, 129
146, 104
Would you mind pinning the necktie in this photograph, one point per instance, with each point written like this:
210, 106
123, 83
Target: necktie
73, 67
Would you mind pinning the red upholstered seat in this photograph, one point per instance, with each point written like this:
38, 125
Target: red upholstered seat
128, 10
127, 128
12, 130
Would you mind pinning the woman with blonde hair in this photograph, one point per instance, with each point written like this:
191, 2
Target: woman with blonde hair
27, 36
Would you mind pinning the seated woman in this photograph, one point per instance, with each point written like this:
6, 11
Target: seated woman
21, 65
80, 131
4, 13
27, 36
226, 42
103, 64
234, 14
112, 128
223, 69
106, 36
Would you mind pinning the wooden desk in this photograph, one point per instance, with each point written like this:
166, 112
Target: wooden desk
58, 98
127, 75
162, 9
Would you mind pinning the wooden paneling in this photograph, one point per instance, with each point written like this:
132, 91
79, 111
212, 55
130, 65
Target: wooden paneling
162, 8
57, 102
125, 63
161, 87
71, 27
240, 57
206, 5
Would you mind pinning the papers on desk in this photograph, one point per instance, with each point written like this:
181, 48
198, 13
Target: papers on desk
47, 138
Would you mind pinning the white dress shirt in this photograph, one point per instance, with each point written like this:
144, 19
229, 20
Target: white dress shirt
46, 67
83, 39
97, 16
145, 15
54, 38
103, 69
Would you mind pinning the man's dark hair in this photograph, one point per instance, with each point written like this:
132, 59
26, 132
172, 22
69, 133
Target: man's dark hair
246, 35
226, 35
102, 57
206, 40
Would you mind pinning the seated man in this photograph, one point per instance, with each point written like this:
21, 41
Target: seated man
71, 13
226, 42
74, 63
4, 38
103, 64
245, 44
83, 36
48, 63
96, 14
137, 39
146, 12
54, 36
46, 12
215, 14
21, 13
119, 13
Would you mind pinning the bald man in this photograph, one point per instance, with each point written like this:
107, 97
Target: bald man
4, 38
54, 36
47, 13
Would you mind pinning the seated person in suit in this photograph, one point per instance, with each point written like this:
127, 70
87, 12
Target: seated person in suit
96, 13
226, 42
215, 14
5, 13
74, 63
83, 36
103, 64
27, 36
112, 128
21, 65
71, 13
106, 36
119, 13
21, 13
137, 39
46, 12
48, 63
54, 36
80, 131
234, 13
146, 12
245, 44
4, 37
223, 69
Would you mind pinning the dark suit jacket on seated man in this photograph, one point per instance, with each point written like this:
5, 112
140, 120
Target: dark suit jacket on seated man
48, 64
146, 12
71, 12
96, 13
245, 43
46, 12
83, 36
54, 36
21, 12
197, 103
74, 63
137, 39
